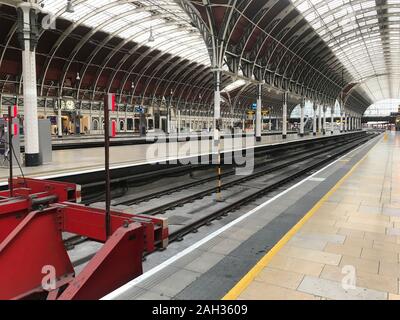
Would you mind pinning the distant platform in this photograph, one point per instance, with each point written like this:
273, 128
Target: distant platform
89, 160
94, 141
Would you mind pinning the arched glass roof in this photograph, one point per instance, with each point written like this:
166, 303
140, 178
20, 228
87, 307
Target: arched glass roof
365, 36
136, 20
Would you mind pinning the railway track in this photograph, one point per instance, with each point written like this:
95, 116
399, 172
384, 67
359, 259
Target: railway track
93, 192
284, 177
263, 169
283, 173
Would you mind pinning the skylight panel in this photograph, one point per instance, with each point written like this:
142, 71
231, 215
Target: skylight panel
352, 30
235, 85
133, 20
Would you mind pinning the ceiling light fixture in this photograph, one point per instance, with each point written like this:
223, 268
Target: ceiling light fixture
70, 7
151, 37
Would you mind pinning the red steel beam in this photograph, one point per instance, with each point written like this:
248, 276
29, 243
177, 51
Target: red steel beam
116, 263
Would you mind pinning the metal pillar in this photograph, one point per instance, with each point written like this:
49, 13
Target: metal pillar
258, 113
315, 107
28, 32
341, 121
270, 120
302, 107
59, 120
107, 165
169, 116
217, 105
319, 119
217, 133
351, 122
324, 121
10, 151
190, 119
284, 115
179, 123
332, 119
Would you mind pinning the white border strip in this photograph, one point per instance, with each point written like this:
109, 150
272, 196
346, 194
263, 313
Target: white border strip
129, 285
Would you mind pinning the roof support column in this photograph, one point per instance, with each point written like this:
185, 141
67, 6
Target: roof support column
346, 121
169, 115
217, 106
341, 121
332, 118
351, 127
284, 115
270, 120
324, 121
59, 119
302, 107
190, 118
258, 113
315, 107
27, 35
319, 118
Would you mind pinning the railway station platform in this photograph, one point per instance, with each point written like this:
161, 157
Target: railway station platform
346, 247
88, 160
332, 235
97, 140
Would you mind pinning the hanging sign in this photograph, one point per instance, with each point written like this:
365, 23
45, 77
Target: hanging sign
111, 102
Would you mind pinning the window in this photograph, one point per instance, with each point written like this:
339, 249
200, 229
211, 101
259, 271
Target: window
95, 124
129, 124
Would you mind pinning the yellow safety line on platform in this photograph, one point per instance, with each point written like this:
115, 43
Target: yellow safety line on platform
237, 290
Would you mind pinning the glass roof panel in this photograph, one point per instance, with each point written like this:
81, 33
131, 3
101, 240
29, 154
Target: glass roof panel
364, 36
135, 21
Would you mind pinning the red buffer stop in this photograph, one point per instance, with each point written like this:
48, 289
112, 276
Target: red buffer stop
31, 227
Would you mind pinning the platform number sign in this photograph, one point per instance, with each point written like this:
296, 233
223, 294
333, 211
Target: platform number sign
112, 106
14, 112
113, 128
14, 115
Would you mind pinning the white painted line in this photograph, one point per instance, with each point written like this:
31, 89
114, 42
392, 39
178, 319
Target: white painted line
317, 179
129, 285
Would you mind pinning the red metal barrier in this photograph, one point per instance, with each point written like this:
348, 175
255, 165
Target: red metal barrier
31, 226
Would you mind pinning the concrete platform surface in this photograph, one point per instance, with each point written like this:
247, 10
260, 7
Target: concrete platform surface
348, 245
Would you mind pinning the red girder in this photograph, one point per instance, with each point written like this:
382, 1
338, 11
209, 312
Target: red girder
123, 249
31, 226
34, 244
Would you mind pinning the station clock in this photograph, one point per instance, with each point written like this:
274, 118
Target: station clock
67, 105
